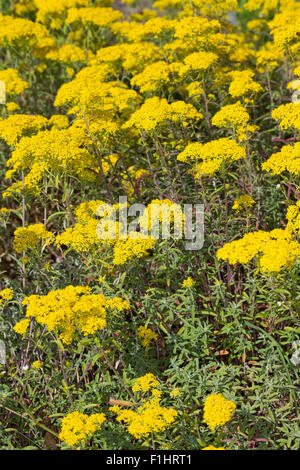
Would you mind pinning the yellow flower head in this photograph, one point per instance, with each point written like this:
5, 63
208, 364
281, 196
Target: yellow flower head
188, 282
217, 410
243, 202
36, 365
146, 335
76, 427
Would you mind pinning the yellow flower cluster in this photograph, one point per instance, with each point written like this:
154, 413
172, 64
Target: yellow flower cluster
155, 111
24, 6
88, 233
288, 115
36, 365
243, 202
149, 416
288, 159
17, 125
22, 326
131, 248
145, 384
269, 58
11, 106
293, 218
194, 89
20, 32
242, 84
55, 150
155, 76
14, 85
234, 116
100, 107
188, 282
200, 61
54, 12
276, 250
102, 17
213, 448
84, 235
285, 26
26, 238
131, 57
160, 210
68, 53
76, 427
217, 410
175, 393
265, 6
71, 309
6, 295
212, 8
146, 335
209, 157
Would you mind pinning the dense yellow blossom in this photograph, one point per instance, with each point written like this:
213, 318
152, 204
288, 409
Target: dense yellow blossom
149, 416
146, 335
285, 26
84, 235
36, 365
132, 247
132, 57
276, 250
288, 159
236, 117
288, 115
98, 16
17, 125
99, 98
23, 33
76, 427
14, 85
157, 111
212, 8
194, 89
269, 57
243, 84
265, 6
209, 157
57, 150
293, 218
68, 54
71, 309
145, 383
95, 102
213, 448
6, 295
243, 202
59, 120
188, 282
22, 326
54, 12
145, 14
200, 60
11, 106
217, 410
28, 237
154, 76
